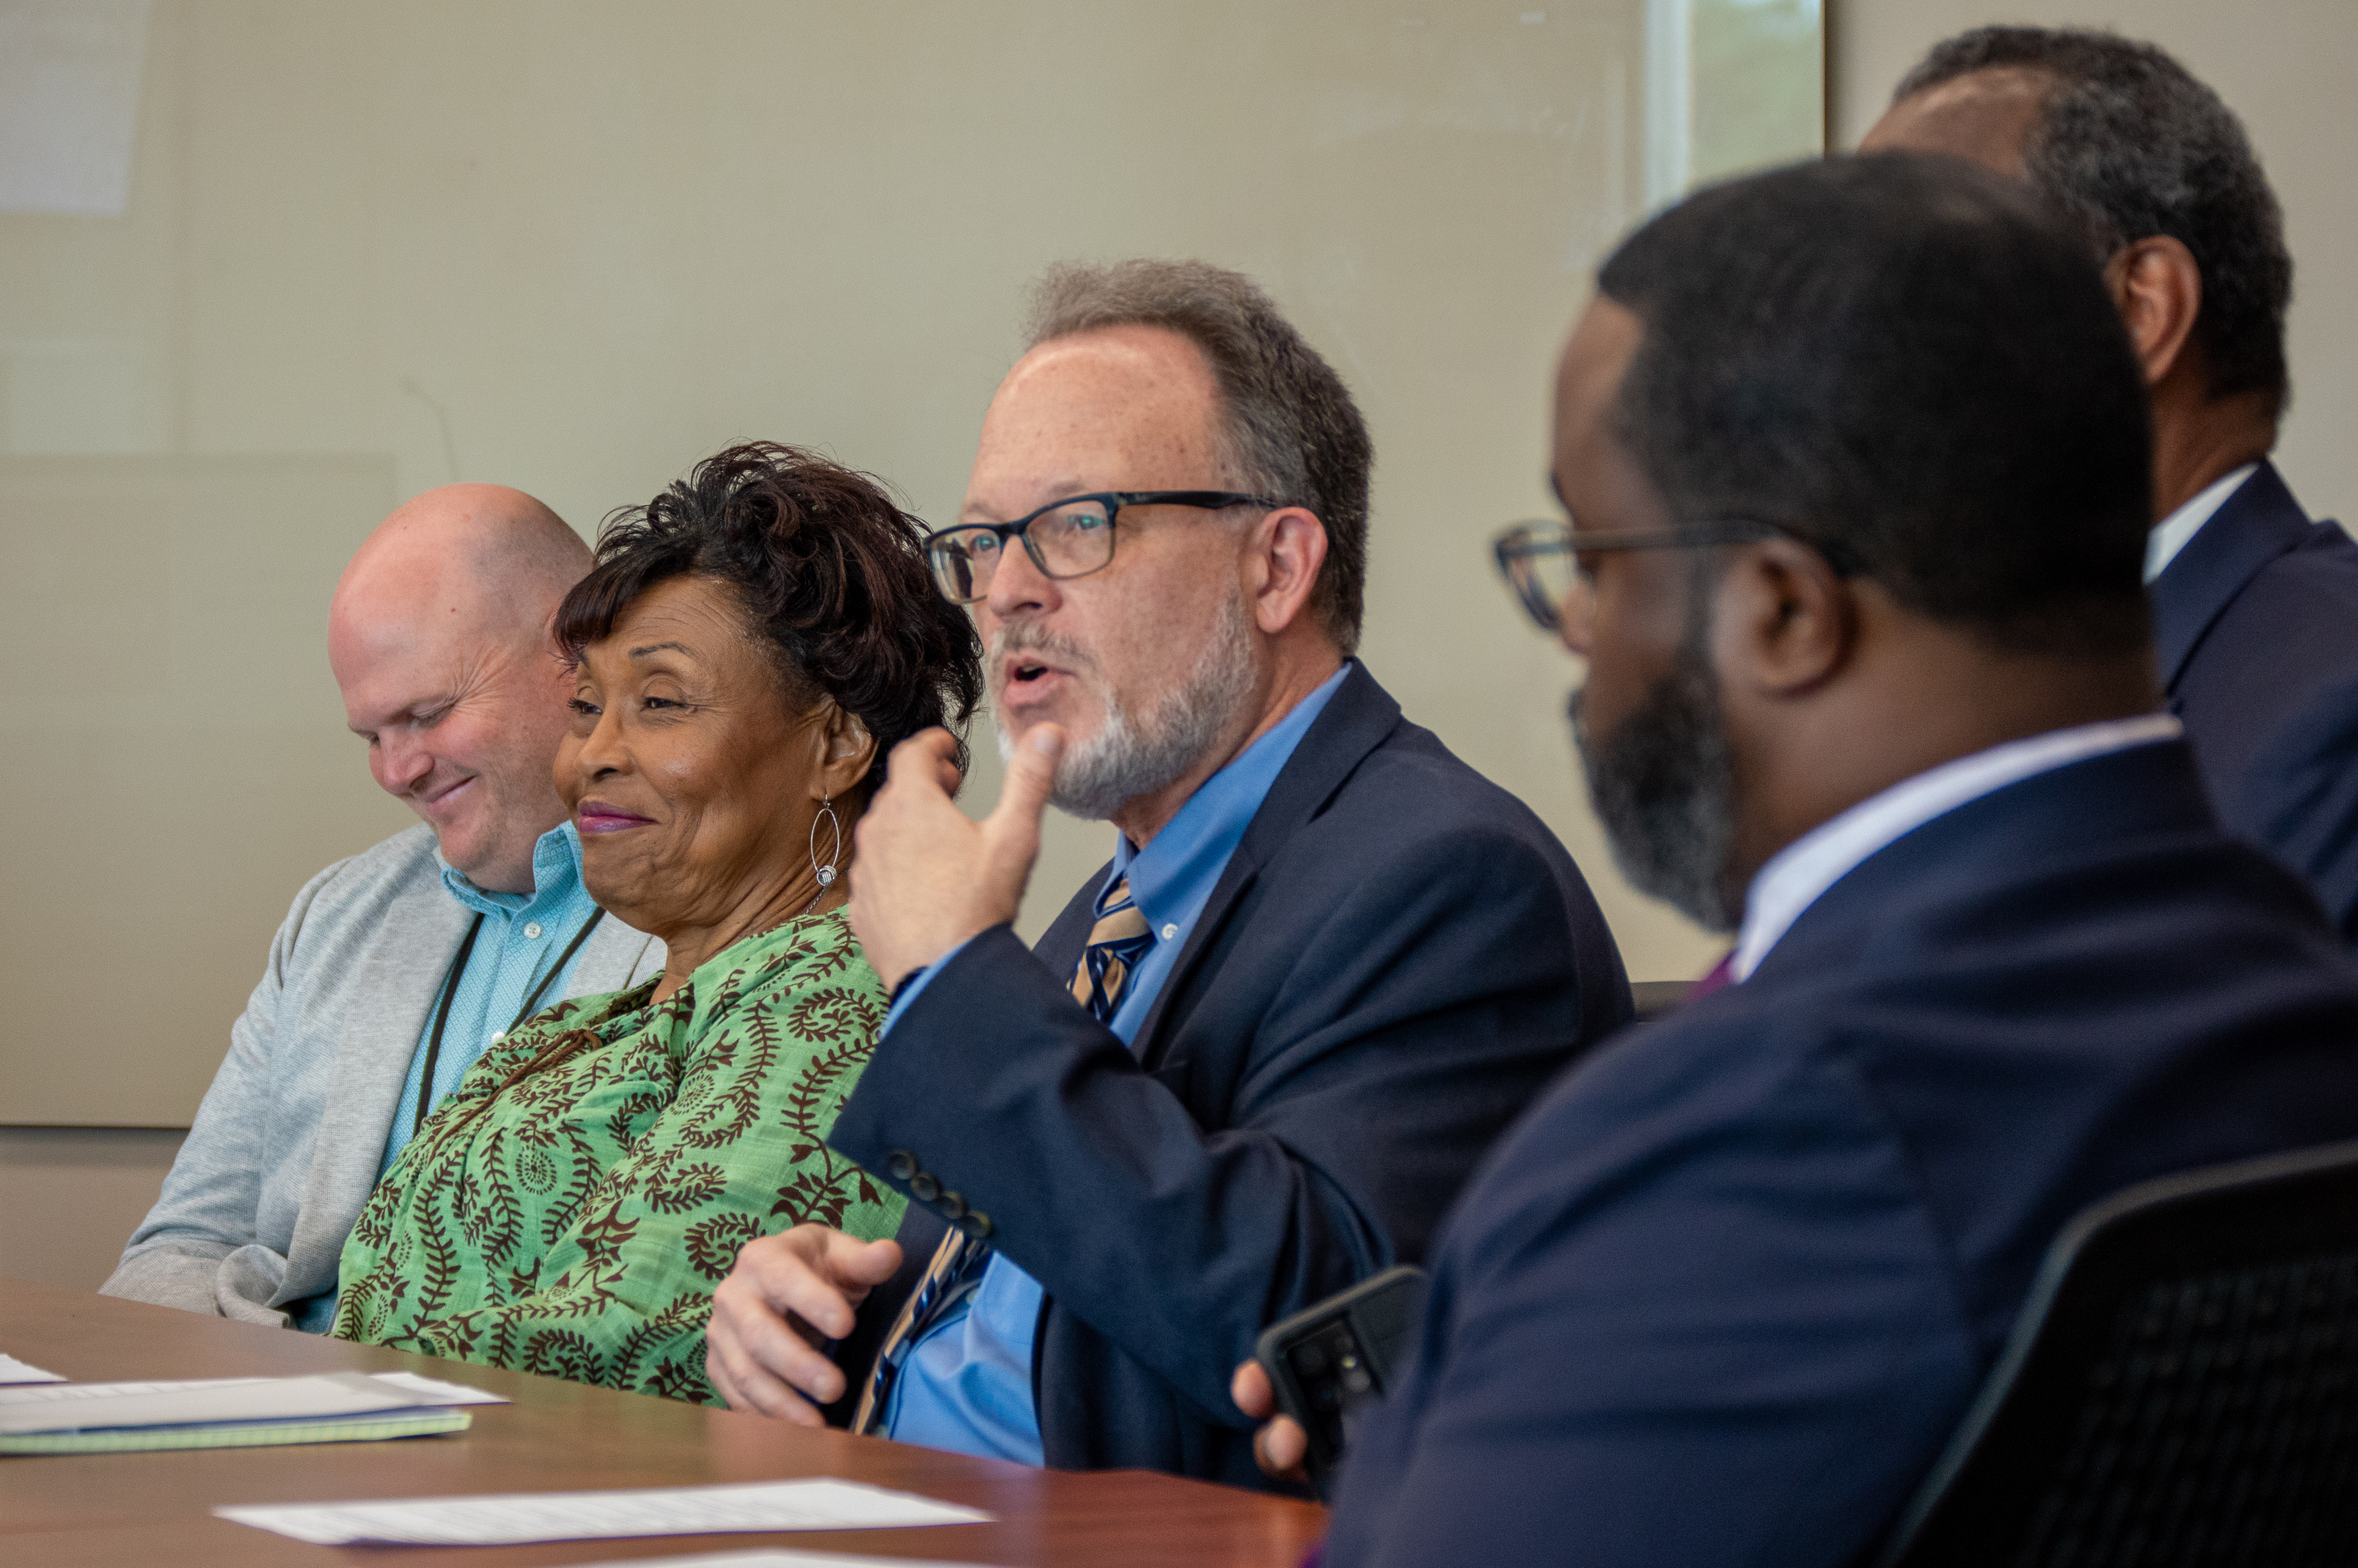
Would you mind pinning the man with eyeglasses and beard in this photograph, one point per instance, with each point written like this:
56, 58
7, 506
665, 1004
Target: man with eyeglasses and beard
1261, 1051
1856, 463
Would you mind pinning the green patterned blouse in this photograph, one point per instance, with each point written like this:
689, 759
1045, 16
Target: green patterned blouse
574, 1219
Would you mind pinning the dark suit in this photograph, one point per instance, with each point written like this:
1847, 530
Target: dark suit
2256, 625
1722, 1297
1396, 959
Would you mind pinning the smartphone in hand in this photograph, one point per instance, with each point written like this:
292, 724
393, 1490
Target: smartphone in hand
1329, 1362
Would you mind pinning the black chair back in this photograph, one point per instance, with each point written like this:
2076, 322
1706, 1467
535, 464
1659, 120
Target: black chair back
1657, 1000
2181, 1387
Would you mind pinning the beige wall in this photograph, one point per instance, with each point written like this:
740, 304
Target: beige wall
2283, 66
70, 1196
575, 247
576, 244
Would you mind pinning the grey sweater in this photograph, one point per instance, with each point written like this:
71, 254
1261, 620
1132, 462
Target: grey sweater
285, 1146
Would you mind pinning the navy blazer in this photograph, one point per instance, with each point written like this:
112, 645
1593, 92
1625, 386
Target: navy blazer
2255, 627
1395, 961
1724, 1295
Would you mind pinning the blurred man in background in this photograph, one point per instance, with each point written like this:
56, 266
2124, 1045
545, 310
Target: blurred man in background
2255, 607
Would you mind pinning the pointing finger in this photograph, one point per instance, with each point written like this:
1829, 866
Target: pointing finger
1012, 831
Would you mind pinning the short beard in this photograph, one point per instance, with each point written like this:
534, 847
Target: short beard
1664, 785
1133, 756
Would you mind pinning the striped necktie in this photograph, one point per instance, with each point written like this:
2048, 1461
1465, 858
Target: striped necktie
1117, 942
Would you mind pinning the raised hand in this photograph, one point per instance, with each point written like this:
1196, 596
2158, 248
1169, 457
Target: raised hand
925, 878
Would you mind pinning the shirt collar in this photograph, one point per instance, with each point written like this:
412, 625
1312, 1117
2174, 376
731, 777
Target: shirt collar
1172, 879
2175, 532
556, 874
1798, 874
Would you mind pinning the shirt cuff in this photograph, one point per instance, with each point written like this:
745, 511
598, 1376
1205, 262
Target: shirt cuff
913, 985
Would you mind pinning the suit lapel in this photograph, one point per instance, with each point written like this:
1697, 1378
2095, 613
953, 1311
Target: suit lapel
1060, 946
1357, 721
2260, 522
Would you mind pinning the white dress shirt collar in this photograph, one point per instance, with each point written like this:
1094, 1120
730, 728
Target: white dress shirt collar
2173, 533
1796, 875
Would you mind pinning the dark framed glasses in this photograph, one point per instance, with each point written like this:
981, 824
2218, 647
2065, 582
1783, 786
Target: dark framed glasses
1068, 538
1545, 563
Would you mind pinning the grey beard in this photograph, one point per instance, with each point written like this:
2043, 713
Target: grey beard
1664, 785
1131, 755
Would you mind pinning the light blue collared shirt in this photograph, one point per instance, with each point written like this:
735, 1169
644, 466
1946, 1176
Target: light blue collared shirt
967, 1386
522, 935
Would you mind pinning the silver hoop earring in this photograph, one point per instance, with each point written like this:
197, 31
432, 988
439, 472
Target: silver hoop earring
827, 874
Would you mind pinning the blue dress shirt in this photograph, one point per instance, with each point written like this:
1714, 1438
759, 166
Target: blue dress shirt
967, 1386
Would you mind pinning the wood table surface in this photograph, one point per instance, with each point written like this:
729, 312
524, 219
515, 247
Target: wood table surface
140, 1508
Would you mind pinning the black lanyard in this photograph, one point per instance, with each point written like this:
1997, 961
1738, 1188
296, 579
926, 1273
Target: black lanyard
451, 991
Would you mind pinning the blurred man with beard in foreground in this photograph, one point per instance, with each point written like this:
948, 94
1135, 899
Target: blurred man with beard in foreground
1856, 459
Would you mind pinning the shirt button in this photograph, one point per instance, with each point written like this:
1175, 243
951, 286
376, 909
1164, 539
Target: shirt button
1169, 932
496, 1038
532, 930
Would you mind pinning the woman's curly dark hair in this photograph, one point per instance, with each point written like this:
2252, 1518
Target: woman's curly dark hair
831, 573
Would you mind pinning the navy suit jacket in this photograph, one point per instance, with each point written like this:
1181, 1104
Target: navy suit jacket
1724, 1295
1396, 960
2256, 626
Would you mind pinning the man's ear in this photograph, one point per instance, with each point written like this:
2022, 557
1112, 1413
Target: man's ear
846, 751
1784, 622
1281, 562
2158, 288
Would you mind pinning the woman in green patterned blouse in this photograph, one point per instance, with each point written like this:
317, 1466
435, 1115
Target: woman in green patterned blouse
750, 647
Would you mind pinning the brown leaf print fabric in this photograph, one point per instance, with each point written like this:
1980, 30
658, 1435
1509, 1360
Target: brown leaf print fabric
569, 1207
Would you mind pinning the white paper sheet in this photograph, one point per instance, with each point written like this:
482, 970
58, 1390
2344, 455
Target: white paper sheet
15, 1371
514, 1517
442, 1393
260, 1398
777, 1557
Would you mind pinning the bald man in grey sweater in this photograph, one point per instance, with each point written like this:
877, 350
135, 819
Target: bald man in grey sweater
395, 968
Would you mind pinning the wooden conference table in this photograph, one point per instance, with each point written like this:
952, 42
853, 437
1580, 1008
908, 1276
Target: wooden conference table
138, 1509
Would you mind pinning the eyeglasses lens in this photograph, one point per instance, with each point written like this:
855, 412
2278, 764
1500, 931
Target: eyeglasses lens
1544, 575
1074, 539
1552, 578
963, 561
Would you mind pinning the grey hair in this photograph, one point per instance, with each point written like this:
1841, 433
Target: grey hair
1288, 429
2129, 146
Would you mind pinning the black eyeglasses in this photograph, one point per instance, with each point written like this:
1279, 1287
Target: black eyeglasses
1068, 538
1545, 561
